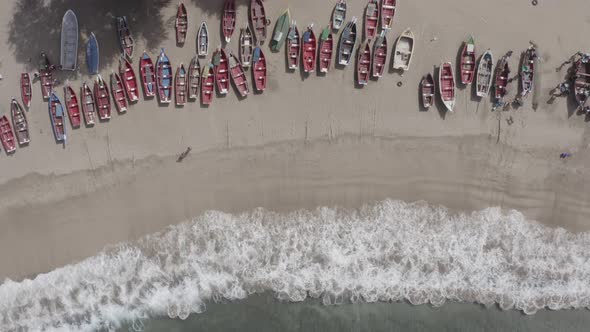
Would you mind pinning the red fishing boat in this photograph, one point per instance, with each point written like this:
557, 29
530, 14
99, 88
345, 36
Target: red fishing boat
468, 62
326, 47
181, 24
582, 81
221, 71
258, 20
309, 50
118, 92
45, 76
25, 89
88, 108
207, 84
6, 135
125, 40
501, 80
180, 85
228, 22
363, 64
72, 106
19, 121
129, 79
102, 98
238, 75
194, 78
57, 117
148, 75
259, 69
387, 13
371, 19
293, 46
446, 85
379, 55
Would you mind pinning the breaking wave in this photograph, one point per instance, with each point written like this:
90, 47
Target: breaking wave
390, 251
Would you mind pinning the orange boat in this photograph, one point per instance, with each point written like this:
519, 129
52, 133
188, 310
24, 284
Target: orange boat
102, 98
129, 79
6, 135
88, 108
207, 84
180, 85
25, 89
72, 106
118, 92
181, 24
259, 69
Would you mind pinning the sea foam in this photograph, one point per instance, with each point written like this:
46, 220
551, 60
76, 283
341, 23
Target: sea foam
389, 251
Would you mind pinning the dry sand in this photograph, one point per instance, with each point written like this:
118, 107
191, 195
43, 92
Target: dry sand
305, 142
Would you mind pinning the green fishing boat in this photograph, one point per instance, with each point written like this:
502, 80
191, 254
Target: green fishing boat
280, 33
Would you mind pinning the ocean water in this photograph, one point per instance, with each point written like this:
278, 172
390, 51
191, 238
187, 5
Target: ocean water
331, 259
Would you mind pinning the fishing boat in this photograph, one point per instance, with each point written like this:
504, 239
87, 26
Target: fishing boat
129, 79
339, 15
19, 121
207, 84
25, 89
57, 117
180, 85
203, 40
379, 55
258, 20
88, 108
148, 75
293, 46
404, 47
468, 62
371, 19
346, 44
6, 135
194, 78
326, 47
102, 99
228, 22
582, 81
69, 41
387, 13
72, 106
527, 71
280, 31
363, 64
92, 54
238, 75
501, 81
427, 91
164, 78
246, 47
484, 74
446, 85
45, 76
259, 69
118, 92
309, 51
125, 40
181, 24
221, 64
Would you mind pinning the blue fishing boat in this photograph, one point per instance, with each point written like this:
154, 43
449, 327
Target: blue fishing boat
164, 77
57, 116
92, 54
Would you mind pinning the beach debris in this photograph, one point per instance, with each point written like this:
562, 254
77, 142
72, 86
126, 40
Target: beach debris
435, 38
565, 155
399, 84
535, 2
183, 154
510, 120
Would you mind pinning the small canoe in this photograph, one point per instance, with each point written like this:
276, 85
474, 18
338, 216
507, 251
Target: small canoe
259, 69
484, 74
293, 46
280, 32
118, 92
220, 62
228, 22
446, 85
326, 47
19, 121
88, 108
527, 71
92, 54
238, 75
180, 85
501, 81
203, 40
6, 135
371, 19
363, 64
246, 47
45, 76
404, 49
347, 42
57, 117
72, 106
102, 99
194, 78
148, 75
125, 40
69, 41
339, 15
207, 84
181, 24
258, 20
309, 50
427, 91
25, 89
582, 81
468, 62
387, 13
129, 79
379, 55
164, 78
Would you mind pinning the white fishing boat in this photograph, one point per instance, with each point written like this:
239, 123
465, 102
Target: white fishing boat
203, 40
69, 41
404, 48
485, 72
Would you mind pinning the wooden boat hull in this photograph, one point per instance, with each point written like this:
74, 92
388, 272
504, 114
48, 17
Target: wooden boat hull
427, 91
220, 60
208, 84
72, 106
468, 62
293, 47
258, 20
280, 32
347, 42
26, 91
404, 49
246, 47
92, 54
45, 76
203, 40
582, 82
379, 55
326, 47
238, 75
69, 41
126, 41
88, 105
180, 86
527, 71
446, 85
194, 78
339, 15
501, 80
485, 72
57, 117
102, 99
363, 64
387, 13
181, 24
371, 19
228, 21
148, 75
129, 80
164, 78
259, 70
6, 135
19, 122
309, 51
118, 92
